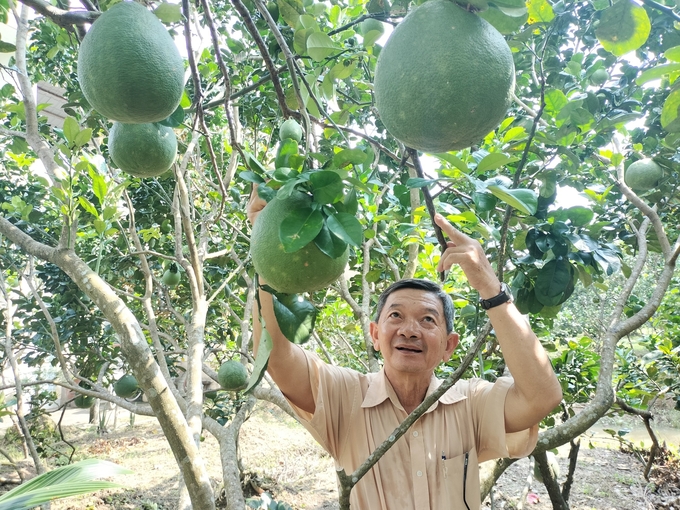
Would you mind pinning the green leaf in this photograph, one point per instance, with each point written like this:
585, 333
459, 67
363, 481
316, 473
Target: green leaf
346, 227
540, 11
71, 129
419, 182
493, 161
262, 359
300, 228
169, 13
343, 70
483, 201
580, 216
6, 47
330, 244
672, 54
175, 119
287, 148
522, 199
351, 203
290, 11
670, 113
454, 160
349, 157
99, 186
553, 282
83, 137
555, 100
253, 164
623, 27
656, 72
295, 316
326, 186
503, 22
62, 482
88, 206
320, 46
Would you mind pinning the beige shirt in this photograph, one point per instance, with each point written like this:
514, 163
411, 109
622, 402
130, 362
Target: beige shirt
425, 469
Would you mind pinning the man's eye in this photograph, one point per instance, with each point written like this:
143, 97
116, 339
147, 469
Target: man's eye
394, 315
428, 319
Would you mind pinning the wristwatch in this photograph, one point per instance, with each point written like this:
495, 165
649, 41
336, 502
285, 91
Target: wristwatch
504, 296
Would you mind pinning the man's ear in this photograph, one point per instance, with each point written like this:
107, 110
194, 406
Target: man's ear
373, 330
451, 344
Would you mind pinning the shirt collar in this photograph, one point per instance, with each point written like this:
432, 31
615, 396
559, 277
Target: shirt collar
379, 389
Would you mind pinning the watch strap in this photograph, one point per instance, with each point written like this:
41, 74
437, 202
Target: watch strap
503, 296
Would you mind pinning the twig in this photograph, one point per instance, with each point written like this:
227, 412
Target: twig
430, 204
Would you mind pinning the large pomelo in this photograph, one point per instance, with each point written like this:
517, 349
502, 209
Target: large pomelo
643, 174
129, 67
304, 270
444, 79
142, 150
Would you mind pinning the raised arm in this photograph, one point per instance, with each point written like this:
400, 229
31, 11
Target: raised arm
536, 390
287, 363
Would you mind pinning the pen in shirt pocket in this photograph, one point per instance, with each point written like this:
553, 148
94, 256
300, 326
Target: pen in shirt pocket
443, 455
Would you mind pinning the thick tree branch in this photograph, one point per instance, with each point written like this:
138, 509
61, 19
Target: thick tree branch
63, 18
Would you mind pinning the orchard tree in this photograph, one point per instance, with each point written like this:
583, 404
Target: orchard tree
109, 273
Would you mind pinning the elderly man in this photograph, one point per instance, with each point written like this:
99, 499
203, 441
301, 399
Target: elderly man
435, 464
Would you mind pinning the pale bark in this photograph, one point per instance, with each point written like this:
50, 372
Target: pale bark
138, 354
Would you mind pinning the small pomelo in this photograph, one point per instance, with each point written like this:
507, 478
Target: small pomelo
304, 270
142, 150
599, 77
83, 401
290, 129
643, 174
126, 386
129, 67
371, 29
232, 375
444, 79
171, 276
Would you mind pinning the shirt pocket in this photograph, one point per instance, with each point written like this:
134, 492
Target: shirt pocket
456, 471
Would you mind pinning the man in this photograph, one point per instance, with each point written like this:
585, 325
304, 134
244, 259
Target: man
435, 464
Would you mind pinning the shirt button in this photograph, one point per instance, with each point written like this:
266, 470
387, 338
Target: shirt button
415, 433
419, 473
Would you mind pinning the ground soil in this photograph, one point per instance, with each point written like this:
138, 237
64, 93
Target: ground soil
281, 458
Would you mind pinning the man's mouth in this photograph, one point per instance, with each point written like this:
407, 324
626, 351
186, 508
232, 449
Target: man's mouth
413, 350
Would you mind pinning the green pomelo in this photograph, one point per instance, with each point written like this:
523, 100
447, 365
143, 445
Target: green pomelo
126, 386
444, 79
599, 77
290, 129
83, 401
643, 175
171, 278
142, 150
304, 270
232, 375
129, 67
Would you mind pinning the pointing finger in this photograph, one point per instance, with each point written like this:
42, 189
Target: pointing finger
454, 234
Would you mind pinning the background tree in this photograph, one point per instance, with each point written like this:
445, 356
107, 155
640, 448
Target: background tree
89, 245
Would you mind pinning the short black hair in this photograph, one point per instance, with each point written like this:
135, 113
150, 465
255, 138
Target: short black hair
426, 285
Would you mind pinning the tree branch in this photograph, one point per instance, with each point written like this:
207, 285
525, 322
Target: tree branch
63, 18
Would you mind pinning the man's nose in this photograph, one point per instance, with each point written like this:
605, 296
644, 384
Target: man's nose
409, 328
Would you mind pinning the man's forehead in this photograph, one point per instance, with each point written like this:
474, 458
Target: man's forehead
414, 297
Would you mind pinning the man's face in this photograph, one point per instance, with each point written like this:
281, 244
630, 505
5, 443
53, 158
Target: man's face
411, 332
